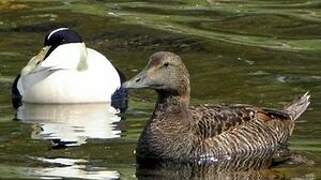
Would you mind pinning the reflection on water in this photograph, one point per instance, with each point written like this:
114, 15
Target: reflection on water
238, 166
69, 168
70, 125
184, 171
58, 168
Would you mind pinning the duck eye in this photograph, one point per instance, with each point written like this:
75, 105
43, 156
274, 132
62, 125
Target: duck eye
166, 64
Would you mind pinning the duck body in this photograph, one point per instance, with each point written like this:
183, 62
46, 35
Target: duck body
67, 72
62, 83
217, 134
214, 134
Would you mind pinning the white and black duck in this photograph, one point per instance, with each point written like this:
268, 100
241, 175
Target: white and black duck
67, 72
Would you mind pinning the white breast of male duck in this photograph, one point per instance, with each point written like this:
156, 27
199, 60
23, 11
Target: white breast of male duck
66, 71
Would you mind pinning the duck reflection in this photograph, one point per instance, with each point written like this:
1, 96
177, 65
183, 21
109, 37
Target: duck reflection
261, 166
70, 125
165, 171
71, 168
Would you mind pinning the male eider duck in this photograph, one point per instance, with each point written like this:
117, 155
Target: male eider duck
65, 72
181, 133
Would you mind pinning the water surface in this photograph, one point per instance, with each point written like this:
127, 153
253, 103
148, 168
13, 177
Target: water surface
254, 52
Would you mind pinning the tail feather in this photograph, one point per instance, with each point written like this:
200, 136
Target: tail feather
298, 106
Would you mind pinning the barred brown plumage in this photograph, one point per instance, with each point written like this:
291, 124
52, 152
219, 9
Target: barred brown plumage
221, 135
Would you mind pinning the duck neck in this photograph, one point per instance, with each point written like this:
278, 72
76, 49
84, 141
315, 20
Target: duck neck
169, 101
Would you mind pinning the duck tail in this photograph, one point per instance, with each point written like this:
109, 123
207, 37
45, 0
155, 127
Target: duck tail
298, 106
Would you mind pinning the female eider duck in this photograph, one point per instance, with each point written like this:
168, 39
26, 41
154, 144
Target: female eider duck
66, 71
177, 132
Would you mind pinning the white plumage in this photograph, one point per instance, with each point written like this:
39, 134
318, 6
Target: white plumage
71, 73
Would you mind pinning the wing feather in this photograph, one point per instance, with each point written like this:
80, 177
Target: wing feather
216, 119
213, 120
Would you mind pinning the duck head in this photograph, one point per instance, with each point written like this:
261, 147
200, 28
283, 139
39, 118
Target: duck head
54, 41
165, 73
58, 37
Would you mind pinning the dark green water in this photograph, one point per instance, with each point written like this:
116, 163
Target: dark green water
254, 52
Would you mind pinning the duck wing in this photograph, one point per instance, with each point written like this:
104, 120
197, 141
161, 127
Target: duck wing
213, 120
241, 131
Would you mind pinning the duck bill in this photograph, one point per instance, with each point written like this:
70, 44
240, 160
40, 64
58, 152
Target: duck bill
42, 54
34, 61
137, 82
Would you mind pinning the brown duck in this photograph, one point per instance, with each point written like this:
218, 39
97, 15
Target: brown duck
205, 134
